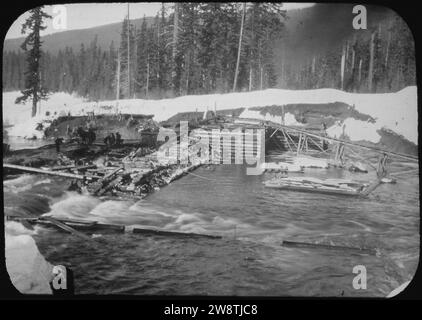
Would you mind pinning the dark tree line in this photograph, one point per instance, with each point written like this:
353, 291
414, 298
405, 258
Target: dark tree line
192, 48
197, 56
393, 62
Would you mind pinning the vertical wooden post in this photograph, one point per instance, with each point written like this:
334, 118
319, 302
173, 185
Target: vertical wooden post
299, 144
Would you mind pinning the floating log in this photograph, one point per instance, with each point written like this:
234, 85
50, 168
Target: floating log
154, 232
49, 172
70, 225
66, 228
296, 244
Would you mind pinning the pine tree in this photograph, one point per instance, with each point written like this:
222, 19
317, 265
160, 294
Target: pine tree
32, 46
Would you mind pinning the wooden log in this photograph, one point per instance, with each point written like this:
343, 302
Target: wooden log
296, 244
90, 166
371, 187
103, 182
63, 167
108, 186
109, 175
150, 232
64, 223
66, 228
49, 172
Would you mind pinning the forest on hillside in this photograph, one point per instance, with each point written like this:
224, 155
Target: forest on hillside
196, 50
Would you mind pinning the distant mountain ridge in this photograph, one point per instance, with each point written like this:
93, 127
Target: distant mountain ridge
73, 38
308, 30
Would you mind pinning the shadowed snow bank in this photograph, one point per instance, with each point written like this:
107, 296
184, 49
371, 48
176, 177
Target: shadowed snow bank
394, 111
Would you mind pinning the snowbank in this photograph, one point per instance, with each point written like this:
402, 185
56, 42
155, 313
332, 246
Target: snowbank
19, 115
289, 119
356, 130
29, 272
396, 111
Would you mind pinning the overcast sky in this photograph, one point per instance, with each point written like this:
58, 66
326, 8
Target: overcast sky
82, 16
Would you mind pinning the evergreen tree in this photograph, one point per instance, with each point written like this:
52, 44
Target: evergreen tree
32, 46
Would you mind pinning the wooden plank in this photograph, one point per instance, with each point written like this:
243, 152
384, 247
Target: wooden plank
53, 173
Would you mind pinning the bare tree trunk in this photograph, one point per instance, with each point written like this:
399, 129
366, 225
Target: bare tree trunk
387, 50
147, 86
34, 105
240, 47
118, 77
261, 80
343, 62
175, 30
135, 62
128, 52
346, 56
174, 49
282, 71
250, 78
360, 70
371, 62
187, 73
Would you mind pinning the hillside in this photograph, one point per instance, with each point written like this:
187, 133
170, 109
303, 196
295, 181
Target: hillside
73, 38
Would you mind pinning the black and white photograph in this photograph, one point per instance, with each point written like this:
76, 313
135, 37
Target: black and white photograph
210, 149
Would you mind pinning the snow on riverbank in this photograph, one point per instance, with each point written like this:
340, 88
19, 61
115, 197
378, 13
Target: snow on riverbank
19, 115
395, 111
29, 272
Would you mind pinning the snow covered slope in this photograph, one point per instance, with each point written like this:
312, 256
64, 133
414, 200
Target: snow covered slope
29, 272
394, 111
19, 115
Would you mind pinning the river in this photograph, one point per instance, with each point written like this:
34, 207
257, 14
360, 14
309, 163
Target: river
253, 220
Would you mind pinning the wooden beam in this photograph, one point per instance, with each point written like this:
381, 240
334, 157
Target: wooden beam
396, 154
66, 228
403, 172
53, 173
